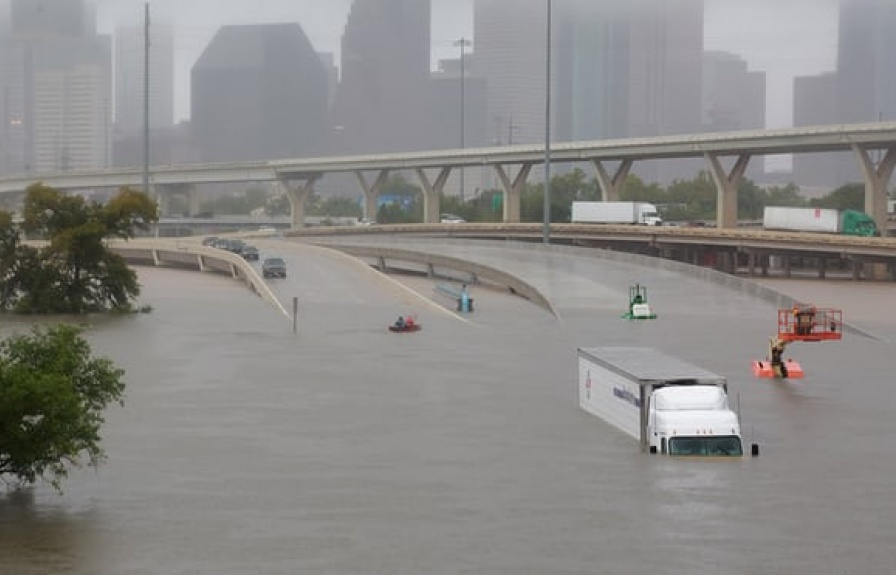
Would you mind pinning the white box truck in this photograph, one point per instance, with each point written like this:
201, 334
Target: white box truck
823, 220
615, 213
670, 406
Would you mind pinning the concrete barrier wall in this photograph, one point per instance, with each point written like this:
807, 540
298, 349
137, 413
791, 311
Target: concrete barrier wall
165, 253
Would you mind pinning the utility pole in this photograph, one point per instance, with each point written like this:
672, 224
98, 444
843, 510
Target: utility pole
546, 232
463, 43
146, 99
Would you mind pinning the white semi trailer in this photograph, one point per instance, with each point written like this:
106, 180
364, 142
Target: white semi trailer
670, 406
641, 213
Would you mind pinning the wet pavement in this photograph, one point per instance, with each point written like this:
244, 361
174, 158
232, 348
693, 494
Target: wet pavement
245, 448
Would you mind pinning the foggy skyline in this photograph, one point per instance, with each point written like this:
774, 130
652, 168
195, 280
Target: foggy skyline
782, 38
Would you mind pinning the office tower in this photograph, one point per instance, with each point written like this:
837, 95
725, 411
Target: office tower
53, 18
259, 92
509, 51
733, 97
56, 88
866, 58
863, 89
381, 102
619, 69
129, 75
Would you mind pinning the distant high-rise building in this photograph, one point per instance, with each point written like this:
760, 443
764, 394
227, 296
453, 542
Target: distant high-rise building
592, 86
381, 102
509, 51
56, 85
129, 75
733, 99
866, 60
618, 69
259, 92
863, 88
54, 18
733, 96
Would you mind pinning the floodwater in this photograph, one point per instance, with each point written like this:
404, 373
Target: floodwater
245, 448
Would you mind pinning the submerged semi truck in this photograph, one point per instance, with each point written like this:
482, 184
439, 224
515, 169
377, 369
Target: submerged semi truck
823, 220
670, 406
615, 213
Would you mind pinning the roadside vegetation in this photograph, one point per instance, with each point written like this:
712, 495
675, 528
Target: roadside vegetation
52, 390
71, 271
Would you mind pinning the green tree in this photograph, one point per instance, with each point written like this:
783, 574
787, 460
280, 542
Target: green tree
788, 196
848, 197
52, 397
76, 272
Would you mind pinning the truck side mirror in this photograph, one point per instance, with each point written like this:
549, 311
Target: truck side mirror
754, 450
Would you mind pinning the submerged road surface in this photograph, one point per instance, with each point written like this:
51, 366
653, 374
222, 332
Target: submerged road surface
344, 449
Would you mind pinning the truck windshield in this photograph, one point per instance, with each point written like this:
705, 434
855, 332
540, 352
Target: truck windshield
717, 446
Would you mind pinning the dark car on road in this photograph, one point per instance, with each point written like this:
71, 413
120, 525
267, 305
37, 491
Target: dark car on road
273, 268
250, 253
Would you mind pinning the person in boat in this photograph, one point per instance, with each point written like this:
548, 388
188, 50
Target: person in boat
400, 323
776, 350
409, 322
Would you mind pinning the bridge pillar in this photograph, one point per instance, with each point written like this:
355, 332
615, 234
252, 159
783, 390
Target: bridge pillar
193, 198
726, 187
372, 191
611, 186
297, 194
165, 193
877, 180
512, 191
432, 191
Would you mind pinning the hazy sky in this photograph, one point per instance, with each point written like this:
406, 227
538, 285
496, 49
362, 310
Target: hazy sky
784, 38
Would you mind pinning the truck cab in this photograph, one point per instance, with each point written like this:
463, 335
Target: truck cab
693, 420
649, 216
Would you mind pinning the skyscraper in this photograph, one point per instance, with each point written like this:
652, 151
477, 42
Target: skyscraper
129, 74
863, 88
509, 51
620, 69
381, 102
56, 84
259, 92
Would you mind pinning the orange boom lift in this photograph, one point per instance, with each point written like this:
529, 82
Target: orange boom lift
802, 322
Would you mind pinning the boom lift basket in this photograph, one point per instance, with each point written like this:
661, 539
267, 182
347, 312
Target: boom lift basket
805, 322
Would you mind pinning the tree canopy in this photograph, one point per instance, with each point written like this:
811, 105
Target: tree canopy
74, 272
52, 397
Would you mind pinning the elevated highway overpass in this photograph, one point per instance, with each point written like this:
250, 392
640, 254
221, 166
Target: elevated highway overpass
734, 250
726, 154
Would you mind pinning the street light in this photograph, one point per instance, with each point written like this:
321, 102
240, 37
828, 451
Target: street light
463, 43
546, 232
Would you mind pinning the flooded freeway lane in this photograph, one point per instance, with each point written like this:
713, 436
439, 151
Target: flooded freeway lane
245, 448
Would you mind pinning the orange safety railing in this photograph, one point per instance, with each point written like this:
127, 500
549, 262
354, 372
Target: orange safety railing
809, 323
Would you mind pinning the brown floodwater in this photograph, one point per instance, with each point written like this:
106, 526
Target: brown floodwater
244, 448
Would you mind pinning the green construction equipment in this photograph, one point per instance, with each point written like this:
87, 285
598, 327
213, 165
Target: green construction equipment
638, 308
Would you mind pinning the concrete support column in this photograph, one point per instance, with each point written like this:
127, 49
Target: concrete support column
611, 186
432, 191
372, 191
857, 269
877, 180
297, 193
193, 205
726, 186
787, 266
751, 256
163, 196
822, 268
512, 191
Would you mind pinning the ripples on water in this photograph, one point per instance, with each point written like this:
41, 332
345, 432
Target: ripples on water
243, 448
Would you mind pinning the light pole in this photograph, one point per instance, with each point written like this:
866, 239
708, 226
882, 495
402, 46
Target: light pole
546, 232
463, 43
